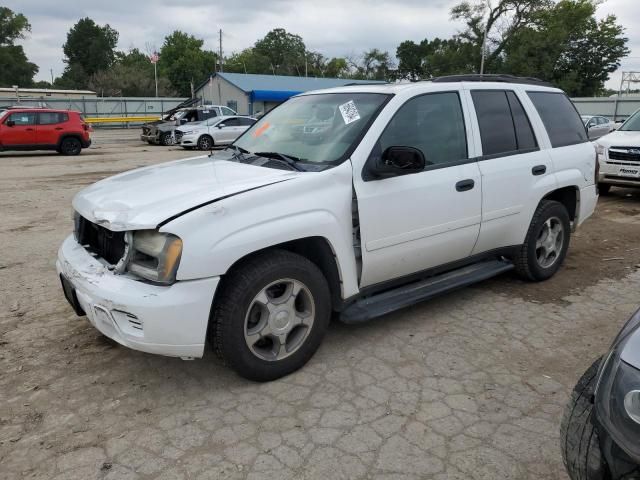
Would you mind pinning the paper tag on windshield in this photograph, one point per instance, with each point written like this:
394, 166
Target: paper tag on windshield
349, 112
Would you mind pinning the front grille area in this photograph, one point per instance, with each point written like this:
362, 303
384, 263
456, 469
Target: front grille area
99, 241
629, 154
146, 130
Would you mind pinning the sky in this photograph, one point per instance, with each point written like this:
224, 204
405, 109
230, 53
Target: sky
332, 27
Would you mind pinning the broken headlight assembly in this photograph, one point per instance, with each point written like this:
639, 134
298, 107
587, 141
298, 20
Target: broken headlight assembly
154, 256
617, 397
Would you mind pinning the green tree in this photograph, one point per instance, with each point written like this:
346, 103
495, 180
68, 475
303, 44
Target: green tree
566, 45
284, 51
131, 76
374, 64
500, 22
183, 61
434, 58
16, 68
247, 61
89, 49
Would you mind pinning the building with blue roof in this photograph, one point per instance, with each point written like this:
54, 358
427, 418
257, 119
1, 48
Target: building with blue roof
249, 94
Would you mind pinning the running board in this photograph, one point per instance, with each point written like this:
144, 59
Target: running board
365, 309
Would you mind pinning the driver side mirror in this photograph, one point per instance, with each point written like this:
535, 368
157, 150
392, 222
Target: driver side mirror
183, 121
10, 123
221, 125
397, 161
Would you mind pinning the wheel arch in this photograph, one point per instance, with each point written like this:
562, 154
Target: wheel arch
316, 249
64, 136
569, 197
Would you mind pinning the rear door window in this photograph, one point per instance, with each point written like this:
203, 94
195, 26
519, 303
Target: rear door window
497, 132
525, 137
50, 118
560, 118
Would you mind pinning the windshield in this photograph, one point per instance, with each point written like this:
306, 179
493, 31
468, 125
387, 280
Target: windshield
633, 123
314, 128
177, 116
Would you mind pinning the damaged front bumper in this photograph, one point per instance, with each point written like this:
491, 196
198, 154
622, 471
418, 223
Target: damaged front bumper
165, 320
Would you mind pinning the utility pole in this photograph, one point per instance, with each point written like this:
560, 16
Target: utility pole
51, 70
484, 40
220, 54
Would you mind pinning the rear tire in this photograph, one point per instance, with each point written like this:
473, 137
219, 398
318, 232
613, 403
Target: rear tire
270, 315
545, 246
579, 441
70, 146
205, 142
604, 188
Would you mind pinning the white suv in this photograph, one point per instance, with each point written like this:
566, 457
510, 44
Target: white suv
411, 191
619, 156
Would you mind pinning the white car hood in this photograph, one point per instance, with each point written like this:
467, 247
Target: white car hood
145, 197
620, 138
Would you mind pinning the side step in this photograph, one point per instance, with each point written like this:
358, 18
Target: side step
389, 301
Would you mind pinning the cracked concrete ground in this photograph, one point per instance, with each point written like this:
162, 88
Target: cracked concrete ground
471, 385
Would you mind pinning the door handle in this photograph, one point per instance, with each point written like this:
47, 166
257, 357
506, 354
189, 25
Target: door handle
464, 185
59, 128
29, 129
539, 170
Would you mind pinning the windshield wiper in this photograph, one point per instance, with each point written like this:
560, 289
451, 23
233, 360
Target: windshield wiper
240, 152
288, 159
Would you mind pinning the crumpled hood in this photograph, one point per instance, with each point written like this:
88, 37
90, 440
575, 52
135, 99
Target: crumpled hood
145, 197
620, 139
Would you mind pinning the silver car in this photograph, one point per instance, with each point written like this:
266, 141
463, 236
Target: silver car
597, 126
212, 132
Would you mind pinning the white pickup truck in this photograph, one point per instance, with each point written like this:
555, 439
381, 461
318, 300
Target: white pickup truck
350, 202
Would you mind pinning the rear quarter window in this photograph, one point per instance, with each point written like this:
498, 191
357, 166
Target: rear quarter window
560, 118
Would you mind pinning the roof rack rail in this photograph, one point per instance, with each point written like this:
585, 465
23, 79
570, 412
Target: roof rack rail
360, 84
476, 77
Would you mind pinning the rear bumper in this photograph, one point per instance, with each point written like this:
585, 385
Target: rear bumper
588, 201
166, 320
86, 143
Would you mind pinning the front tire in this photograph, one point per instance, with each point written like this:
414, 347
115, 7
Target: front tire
579, 441
270, 315
205, 142
70, 146
167, 139
545, 246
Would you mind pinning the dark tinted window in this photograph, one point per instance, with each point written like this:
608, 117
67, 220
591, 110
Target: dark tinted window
22, 118
496, 125
246, 121
48, 118
432, 123
560, 118
524, 133
230, 122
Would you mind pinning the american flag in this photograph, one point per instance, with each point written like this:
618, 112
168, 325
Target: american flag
154, 57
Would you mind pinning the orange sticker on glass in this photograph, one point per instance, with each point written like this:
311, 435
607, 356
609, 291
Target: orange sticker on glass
261, 129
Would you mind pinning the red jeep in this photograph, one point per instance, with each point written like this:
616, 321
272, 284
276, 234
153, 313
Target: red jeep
43, 129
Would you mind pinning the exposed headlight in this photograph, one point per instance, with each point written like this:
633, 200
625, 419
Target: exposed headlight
618, 393
188, 132
155, 256
599, 149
